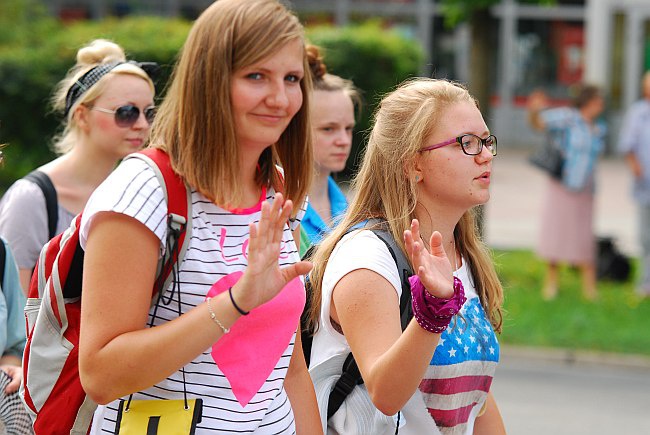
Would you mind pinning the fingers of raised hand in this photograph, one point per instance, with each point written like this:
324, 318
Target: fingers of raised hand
436, 246
412, 239
281, 216
296, 269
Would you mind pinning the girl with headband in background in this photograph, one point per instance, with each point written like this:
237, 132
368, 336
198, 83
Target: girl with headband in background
108, 106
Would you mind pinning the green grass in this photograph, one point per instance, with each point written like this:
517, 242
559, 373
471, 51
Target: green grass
619, 321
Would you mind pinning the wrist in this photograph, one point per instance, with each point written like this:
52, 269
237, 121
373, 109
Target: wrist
434, 314
240, 298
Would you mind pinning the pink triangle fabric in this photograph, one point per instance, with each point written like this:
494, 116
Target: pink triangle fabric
248, 354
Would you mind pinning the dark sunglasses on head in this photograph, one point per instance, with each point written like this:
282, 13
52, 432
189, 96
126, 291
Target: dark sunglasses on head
127, 115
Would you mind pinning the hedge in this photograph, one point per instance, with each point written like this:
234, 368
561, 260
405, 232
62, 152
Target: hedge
29, 72
31, 63
375, 59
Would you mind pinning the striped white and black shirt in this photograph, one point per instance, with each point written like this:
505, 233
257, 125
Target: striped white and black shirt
243, 390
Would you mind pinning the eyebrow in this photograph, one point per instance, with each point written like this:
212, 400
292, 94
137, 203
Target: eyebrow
260, 68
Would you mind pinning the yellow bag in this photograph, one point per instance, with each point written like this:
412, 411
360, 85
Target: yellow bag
158, 417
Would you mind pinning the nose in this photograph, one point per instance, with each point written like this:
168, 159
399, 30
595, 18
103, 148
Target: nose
277, 96
343, 138
141, 123
484, 156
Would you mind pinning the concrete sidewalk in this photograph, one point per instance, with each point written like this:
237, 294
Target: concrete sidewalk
512, 215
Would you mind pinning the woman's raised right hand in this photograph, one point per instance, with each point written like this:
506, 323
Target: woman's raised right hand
263, 279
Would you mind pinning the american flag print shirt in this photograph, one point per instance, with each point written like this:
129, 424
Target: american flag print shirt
459, 376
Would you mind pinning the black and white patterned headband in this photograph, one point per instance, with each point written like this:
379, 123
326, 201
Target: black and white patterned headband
91, 77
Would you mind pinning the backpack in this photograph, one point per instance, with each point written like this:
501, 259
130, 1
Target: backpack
51, 204
51, 388
350, 375
42, 180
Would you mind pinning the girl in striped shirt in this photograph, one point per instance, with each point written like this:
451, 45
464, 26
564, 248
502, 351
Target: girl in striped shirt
236, 111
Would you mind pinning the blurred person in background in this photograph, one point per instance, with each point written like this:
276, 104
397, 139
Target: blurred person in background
334, 101
107, 104
634, 143
566, 230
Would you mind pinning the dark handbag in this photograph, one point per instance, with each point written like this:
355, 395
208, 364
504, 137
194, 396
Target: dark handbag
611, 264
549, 158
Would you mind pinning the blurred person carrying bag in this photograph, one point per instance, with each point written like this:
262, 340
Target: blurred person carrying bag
550, 158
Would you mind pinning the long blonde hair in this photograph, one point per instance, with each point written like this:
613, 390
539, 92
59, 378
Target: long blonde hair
95, 53
402, 122
195, 124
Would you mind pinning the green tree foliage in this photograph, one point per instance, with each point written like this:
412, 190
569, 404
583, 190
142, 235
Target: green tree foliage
31, 65
30, 68
456, 11
374, 58
477, 14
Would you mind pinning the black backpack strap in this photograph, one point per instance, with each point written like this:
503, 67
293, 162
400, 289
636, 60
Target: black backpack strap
404, 270
3, 257
51, 203
351, 376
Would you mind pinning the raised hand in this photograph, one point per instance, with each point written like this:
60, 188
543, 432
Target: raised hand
432, 266
263, 279
537, 100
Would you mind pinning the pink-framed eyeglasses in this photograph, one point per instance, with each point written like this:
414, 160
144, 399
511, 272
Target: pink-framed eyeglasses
470, 144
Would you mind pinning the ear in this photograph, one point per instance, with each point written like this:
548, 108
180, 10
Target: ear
81, 118
415, 171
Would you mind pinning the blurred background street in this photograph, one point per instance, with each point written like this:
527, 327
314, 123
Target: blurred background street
544, 391
550, 394
512, 215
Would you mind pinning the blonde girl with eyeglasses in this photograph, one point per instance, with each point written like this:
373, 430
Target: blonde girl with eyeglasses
427, 165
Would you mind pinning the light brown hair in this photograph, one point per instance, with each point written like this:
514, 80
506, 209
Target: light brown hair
402, 122
195, 124
324, 81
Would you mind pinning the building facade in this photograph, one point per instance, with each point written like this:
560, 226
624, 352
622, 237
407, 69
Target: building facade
605, 42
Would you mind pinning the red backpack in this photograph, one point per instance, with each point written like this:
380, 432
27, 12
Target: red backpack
51, 389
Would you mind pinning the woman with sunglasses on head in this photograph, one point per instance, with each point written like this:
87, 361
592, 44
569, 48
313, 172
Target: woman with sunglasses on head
427, 165
333, 105
108, 106
235, 125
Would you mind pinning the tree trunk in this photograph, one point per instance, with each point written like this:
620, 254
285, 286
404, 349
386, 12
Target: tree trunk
481, 53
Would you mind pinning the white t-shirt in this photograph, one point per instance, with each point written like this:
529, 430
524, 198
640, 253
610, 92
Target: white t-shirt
240, 378
329, 345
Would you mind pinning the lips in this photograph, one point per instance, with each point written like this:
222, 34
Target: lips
269, 118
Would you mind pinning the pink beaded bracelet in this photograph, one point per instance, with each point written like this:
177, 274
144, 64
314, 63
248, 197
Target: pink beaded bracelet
434, 314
